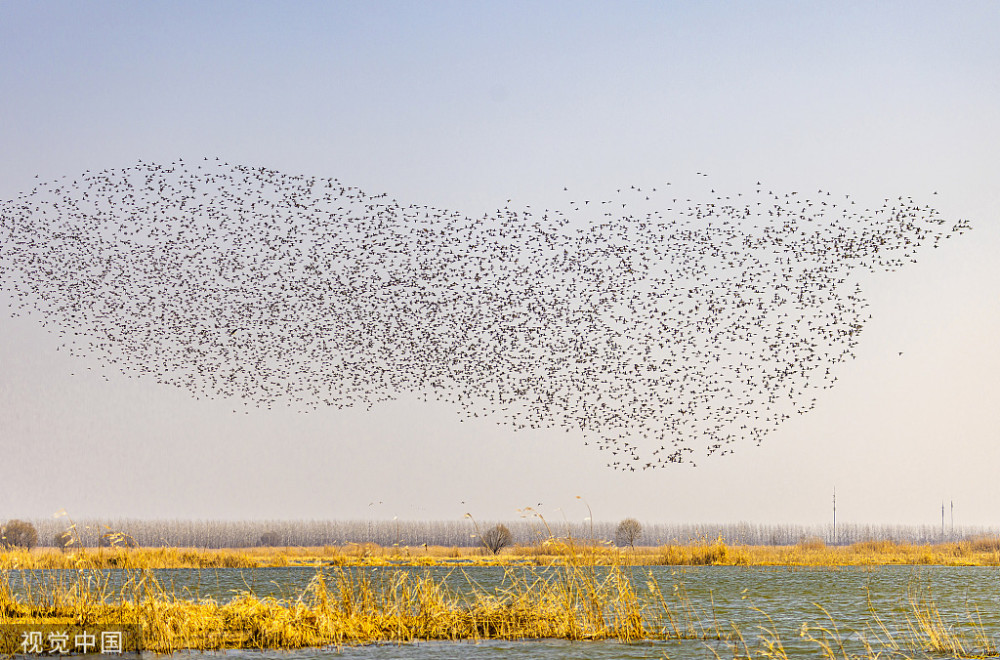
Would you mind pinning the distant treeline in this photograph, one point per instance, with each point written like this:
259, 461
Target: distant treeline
463, 533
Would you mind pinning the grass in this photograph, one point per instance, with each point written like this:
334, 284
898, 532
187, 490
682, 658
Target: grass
343, 606
595, 594
348, 606
977, 552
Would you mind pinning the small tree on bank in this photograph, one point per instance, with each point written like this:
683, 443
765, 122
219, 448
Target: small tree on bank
270, 539
628, 532
18, 534
63, 540
497, 538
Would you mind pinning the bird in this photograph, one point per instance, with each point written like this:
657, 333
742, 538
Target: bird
683, 327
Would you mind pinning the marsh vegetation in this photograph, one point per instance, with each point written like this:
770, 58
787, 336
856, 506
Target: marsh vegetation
733, 612
733, 600
531, 530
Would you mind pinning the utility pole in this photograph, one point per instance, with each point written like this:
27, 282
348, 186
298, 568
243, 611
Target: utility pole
835, 515
942, 519
953, 520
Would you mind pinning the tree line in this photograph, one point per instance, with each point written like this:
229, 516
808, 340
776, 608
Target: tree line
464, 533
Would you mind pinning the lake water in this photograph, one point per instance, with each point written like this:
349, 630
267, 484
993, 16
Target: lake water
753, 599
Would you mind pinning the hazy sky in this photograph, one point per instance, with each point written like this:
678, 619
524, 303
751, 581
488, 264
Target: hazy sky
466, 105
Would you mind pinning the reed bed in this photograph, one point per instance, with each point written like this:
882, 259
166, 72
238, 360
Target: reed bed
348, 606
975, 552
925, 636
345, 606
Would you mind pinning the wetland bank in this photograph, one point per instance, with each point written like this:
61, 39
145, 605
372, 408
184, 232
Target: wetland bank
561, 598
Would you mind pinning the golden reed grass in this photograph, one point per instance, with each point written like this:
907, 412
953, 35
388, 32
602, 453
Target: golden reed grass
553, 552
343, 606
358, 607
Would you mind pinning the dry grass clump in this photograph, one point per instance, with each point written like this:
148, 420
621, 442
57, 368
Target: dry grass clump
716, 553
924, 635
811, 544
131, 558
815, 553
983, 544
576, 604
358, 606
552, 551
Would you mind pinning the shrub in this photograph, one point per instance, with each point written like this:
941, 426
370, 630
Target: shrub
116, 540
985, 544
63, 540
811, 543
672, 555
874, 547
270, 539
18, 534
497, 538
718, 554
628, 532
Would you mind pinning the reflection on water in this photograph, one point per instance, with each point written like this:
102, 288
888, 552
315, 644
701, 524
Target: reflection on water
759, 602
546, 649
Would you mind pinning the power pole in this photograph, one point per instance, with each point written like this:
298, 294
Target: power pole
942, 519
835, 515
953, 520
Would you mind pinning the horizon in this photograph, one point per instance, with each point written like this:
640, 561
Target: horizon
403, 533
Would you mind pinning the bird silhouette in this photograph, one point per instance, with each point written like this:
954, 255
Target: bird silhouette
650, 331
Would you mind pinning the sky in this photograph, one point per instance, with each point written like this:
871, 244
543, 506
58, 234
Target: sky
464, 106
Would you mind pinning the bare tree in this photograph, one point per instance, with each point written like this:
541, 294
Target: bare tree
497, 538
270, 539
19, 534
63, 540
628, 532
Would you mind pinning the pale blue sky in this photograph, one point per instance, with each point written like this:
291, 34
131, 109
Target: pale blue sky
464, 106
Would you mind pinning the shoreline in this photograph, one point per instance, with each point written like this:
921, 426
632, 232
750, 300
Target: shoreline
974, 552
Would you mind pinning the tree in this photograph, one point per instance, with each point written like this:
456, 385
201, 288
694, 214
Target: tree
497, 538
628, 532
117, 540
270, 539
18, 534
63, 540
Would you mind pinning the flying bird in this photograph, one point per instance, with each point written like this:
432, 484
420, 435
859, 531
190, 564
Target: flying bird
650, 332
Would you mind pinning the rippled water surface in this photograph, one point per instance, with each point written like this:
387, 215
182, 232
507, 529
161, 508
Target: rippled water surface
761, 603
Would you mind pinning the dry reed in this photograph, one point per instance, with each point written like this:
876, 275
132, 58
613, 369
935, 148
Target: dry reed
349, 605
553, 551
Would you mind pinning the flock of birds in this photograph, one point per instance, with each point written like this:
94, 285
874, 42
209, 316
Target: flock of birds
650, 325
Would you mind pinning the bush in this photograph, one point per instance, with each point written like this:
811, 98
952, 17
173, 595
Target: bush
811, 543
718, 554
18, 534
63, 540
270, 539
985, 544
116, 540
497, 538
628, 532
874, 547
672, 555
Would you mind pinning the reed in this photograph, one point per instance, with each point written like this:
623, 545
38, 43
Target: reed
550, 552
349, 605
925, 636
358, 607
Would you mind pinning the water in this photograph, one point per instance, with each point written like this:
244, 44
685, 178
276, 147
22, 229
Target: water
762, 602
